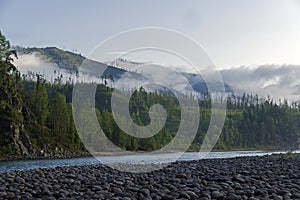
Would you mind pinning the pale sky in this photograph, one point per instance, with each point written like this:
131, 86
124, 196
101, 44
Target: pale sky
233, 32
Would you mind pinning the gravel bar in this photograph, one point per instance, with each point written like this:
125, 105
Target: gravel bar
265, 177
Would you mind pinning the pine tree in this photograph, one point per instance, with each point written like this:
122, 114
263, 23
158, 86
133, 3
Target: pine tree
10, 89
40, 101
59, 119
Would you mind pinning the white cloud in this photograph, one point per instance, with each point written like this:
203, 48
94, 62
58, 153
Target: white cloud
35, 63
278, 81
39, 64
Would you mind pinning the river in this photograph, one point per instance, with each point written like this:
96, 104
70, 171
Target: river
7, 166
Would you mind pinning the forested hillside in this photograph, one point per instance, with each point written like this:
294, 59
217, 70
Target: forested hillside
249, 124
36, 118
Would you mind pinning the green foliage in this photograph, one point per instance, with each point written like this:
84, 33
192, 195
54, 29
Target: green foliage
249, 124
40, 101
10, 90
59, 119
10, 96
46, 111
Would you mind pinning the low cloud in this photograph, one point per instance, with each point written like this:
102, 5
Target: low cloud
35, 63
278, 81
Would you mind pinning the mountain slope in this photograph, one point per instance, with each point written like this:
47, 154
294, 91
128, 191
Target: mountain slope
71, 63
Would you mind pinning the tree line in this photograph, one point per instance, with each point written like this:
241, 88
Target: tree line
250, 123
43, 111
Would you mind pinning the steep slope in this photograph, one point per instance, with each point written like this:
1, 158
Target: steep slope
71, 62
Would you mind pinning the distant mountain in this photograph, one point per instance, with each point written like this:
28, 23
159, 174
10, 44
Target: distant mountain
199, 85
69, 64
278, 81
65, 59
196, 80
69, 61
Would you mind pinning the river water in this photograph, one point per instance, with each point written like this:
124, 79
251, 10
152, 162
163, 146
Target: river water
7, 166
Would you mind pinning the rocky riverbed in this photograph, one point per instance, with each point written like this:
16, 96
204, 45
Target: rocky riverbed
267, 177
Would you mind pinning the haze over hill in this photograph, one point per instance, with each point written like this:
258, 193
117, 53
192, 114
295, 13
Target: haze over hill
54, 64
278, 81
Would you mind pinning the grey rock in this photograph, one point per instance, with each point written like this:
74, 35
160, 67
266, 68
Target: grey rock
206, 194
232, 197
192, 194
145, 192
260, 192
167, 197
184, 195
277, 197
19, 180
217, 195
238, 178
204, 198
295, 196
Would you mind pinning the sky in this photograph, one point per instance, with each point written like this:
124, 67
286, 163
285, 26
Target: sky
234, 33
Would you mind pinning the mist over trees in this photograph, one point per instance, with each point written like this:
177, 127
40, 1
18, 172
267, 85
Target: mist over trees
249, 123
41, 112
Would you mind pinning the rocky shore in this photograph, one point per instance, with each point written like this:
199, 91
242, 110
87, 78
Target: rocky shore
267, 177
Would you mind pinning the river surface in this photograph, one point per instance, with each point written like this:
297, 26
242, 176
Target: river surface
7, 166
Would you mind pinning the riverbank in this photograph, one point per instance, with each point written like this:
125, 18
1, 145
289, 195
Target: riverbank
88, 154
265, 177
38, 157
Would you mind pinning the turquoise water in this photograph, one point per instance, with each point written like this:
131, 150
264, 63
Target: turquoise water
7, 166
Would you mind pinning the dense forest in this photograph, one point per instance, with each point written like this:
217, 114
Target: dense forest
36, 117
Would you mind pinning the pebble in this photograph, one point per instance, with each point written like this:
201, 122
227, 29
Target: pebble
252, 178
